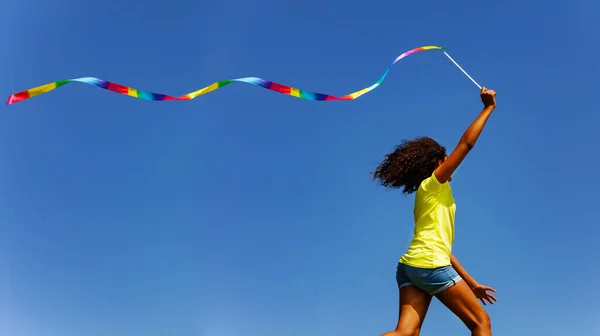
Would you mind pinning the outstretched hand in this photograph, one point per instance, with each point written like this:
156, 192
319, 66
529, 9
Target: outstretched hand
481, 292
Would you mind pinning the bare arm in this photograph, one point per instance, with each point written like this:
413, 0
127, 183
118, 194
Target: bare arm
469, 138
480, 291
462, 272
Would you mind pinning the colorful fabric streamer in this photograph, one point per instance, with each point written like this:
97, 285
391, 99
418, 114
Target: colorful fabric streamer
122, 89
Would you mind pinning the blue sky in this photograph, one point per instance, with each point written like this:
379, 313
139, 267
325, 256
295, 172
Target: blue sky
250, 212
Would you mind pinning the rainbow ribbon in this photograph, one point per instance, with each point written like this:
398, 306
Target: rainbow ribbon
288, 90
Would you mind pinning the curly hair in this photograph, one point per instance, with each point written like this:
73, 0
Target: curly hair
409, 164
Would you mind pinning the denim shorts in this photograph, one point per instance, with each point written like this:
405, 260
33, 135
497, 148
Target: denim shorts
429, 280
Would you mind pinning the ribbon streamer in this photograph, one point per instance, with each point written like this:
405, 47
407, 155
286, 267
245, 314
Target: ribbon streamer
284, 89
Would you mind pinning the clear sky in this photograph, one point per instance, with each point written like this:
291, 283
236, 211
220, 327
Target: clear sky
247, 212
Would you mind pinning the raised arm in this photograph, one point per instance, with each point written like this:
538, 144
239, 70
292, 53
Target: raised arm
444, 172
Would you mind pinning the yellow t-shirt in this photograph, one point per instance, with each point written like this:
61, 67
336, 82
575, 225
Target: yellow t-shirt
431, 246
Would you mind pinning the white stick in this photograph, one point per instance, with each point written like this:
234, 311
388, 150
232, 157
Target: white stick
461, 69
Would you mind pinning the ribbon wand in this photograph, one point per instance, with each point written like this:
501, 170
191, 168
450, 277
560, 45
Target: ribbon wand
461, 69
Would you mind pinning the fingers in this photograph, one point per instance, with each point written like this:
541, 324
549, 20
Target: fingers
486, 91
484, 296
490, 298
483, 300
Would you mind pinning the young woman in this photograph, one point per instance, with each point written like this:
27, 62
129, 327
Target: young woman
428, 268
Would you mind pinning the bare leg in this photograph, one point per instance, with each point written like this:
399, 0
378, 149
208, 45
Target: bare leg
462, 302
414, 304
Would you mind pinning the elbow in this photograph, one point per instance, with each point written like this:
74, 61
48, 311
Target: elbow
468, 145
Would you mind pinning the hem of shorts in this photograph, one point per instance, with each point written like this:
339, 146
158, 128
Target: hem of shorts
406, 285
422, 266
450, 283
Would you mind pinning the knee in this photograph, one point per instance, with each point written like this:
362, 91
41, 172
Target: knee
482, 322
407, 331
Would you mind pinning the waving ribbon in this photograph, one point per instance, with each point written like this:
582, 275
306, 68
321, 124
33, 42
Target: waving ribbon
267, 84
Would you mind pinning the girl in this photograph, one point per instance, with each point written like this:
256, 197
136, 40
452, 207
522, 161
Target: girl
428, 268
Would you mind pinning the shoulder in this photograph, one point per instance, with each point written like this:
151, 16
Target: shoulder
432, 185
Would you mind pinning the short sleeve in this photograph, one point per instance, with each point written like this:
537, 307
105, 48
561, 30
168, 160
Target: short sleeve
431, 184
